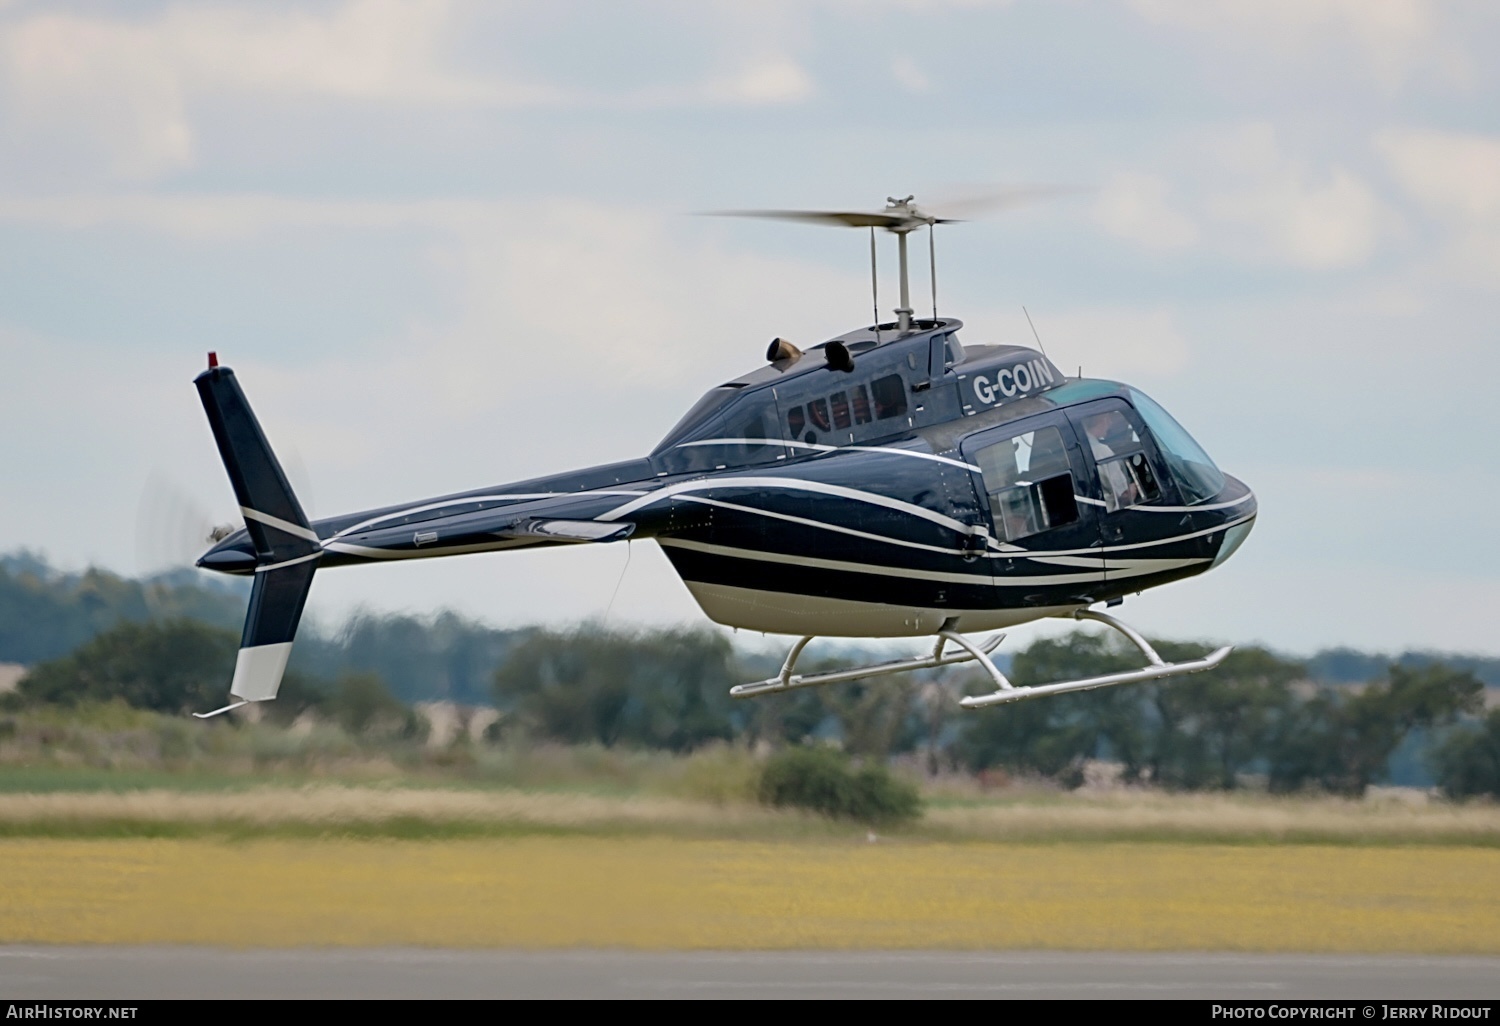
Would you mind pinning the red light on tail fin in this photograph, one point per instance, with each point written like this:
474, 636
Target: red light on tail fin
213, 360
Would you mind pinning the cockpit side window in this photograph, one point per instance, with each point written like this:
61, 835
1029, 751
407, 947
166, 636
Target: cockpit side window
1125, 473
741, 432
1029, 483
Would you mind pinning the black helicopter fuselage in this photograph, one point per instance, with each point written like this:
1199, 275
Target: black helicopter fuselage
876, 485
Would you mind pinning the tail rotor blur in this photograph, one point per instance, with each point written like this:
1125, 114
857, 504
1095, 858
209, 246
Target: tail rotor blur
172, 529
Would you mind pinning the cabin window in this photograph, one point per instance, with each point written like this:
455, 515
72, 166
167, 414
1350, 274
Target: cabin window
1125, 473
861, 405
755, 428
817, 412
890, 396
1029, 483
795, 422
839, 404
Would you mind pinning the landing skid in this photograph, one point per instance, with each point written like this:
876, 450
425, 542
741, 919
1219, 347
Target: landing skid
970, 651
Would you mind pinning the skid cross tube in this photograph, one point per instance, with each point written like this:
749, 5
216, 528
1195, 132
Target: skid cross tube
1156, 669
787, 680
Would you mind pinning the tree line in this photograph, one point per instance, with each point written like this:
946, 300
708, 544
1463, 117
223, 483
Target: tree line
1256, 721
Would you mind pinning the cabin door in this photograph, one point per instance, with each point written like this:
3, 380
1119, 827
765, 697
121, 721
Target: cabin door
1044, 510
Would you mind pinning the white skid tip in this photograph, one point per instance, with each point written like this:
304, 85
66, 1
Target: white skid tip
216, 712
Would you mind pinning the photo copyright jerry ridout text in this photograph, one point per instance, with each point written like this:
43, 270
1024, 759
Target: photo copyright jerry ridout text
51, 1011
1382, 1011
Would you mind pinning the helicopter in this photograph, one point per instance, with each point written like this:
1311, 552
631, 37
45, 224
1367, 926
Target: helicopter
892, 482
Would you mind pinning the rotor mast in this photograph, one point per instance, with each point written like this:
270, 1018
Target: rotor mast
903, 312
901, 217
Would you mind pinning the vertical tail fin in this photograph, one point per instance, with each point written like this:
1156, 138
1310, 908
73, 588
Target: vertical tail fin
286, 547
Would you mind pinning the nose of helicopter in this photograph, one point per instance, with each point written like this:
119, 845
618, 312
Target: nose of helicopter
233, 555
1241, 518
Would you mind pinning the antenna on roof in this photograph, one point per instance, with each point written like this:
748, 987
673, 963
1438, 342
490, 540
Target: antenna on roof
1038, 337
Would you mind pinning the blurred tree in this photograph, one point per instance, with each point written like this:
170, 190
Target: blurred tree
786, 718
667, 689
1343, 742
1468, 762
1213, 726
299, 693
1196, 732
174, 667
875, 717
45, 614
361, 702
1050, 736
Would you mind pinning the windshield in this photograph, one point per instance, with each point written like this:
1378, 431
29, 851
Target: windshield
1195, 473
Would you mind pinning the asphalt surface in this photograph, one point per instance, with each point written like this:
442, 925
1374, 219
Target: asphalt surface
124, 973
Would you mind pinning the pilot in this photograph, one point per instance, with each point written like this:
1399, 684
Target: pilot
1109, 435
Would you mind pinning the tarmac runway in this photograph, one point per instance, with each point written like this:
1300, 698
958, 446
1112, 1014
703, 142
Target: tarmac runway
121, 973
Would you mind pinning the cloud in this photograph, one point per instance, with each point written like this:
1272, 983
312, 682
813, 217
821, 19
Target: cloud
121, 93
623, 297
1239, 194
1394, 36
1284, 211
1318, 223
1456, 178
95, 91
119, 90
909, 76
1137, 207
1116, 342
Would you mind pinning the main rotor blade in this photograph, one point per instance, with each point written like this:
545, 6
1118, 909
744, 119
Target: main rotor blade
969, 205
843, 218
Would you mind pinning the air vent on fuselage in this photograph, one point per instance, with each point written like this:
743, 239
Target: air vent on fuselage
781, 349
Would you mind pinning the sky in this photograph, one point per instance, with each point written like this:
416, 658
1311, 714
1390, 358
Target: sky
447, 245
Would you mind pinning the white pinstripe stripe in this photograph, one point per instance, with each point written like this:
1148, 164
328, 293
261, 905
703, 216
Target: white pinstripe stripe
295, 530
517, 497
831, 448
912, 573
289, 562
790, 484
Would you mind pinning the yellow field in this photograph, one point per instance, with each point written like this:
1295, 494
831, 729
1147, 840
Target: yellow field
676, 893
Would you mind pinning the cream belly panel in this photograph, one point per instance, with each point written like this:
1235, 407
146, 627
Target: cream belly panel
776, 612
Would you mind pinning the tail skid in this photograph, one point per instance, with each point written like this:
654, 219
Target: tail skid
287, 549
